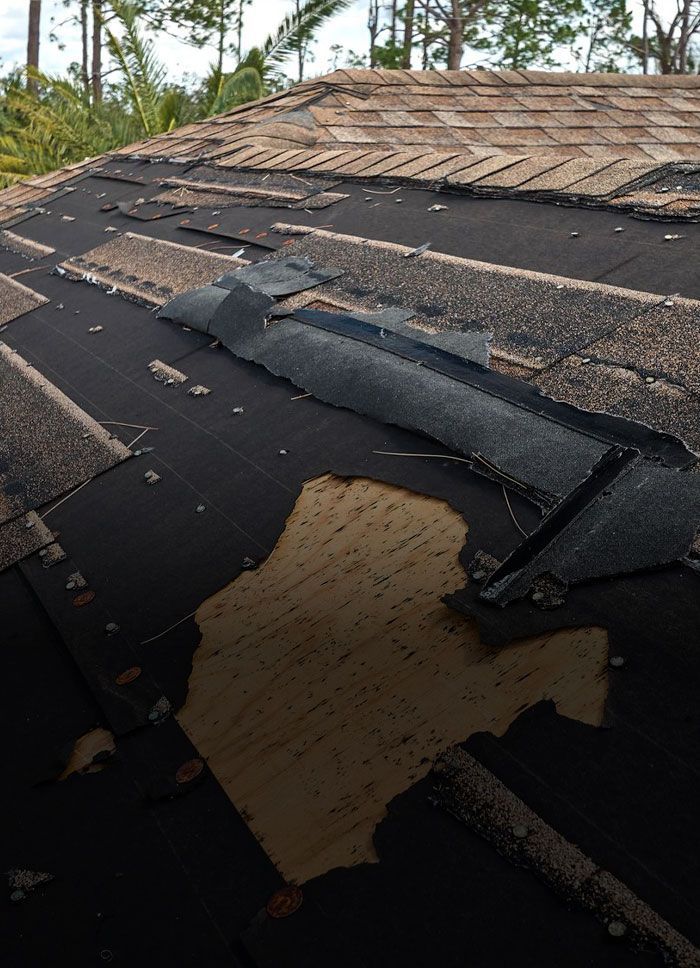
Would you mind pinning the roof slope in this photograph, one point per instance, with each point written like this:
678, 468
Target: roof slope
622, 140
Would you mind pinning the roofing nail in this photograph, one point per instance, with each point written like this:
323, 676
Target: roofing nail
438, 208
574, 235
619, 229
649, 380
616, 661
237, 410
617, 929
95, 329
128, 675
111, 628
84, 598
520, 831
668, 302
284, 452
672, 238
285, 901
150, 477
249, 564
200, 508
189, 770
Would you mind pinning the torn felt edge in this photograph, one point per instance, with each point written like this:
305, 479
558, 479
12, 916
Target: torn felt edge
611, 429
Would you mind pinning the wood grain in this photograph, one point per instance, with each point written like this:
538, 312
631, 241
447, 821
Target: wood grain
328, 680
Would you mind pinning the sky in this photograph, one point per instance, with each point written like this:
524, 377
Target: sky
348, 29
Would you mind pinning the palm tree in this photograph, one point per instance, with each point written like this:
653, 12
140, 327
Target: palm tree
56, 121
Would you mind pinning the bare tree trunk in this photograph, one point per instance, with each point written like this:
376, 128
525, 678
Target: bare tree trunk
408, 34
373, 27
684, 41
239, 31
645, 38
456, 42
84, 68
300, 46
33, 36
221, 39
96, 51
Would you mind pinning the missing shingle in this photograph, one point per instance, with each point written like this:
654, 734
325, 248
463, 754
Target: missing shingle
360, 675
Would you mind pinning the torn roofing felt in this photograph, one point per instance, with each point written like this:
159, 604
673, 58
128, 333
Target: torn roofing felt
563, 459
629, 515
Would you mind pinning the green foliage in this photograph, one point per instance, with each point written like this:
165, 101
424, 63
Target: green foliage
525, 33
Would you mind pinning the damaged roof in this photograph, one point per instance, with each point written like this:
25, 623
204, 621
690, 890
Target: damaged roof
349, 516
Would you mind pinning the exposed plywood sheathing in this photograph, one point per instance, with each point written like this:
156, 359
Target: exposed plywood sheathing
328, 680
89, 751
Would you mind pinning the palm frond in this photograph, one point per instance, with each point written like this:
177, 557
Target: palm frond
295, 26
239, 88
143, 73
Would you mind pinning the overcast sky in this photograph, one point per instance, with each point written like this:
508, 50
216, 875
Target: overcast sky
348, 29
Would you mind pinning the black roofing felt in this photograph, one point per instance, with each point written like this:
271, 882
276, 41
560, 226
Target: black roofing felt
182, 880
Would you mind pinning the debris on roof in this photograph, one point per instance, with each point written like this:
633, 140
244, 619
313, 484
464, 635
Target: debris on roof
20, 537
166, 374
295, 603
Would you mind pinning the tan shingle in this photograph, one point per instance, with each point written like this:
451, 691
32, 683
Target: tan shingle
517, 175
485, 167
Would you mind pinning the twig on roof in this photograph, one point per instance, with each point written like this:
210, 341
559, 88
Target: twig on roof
302, 180
63, 499
510, 511
118, 423
391, 453
495, 470
302, 396
374, 191
13, 275
169, 629
137, 438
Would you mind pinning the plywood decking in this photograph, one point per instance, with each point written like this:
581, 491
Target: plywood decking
328, 680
